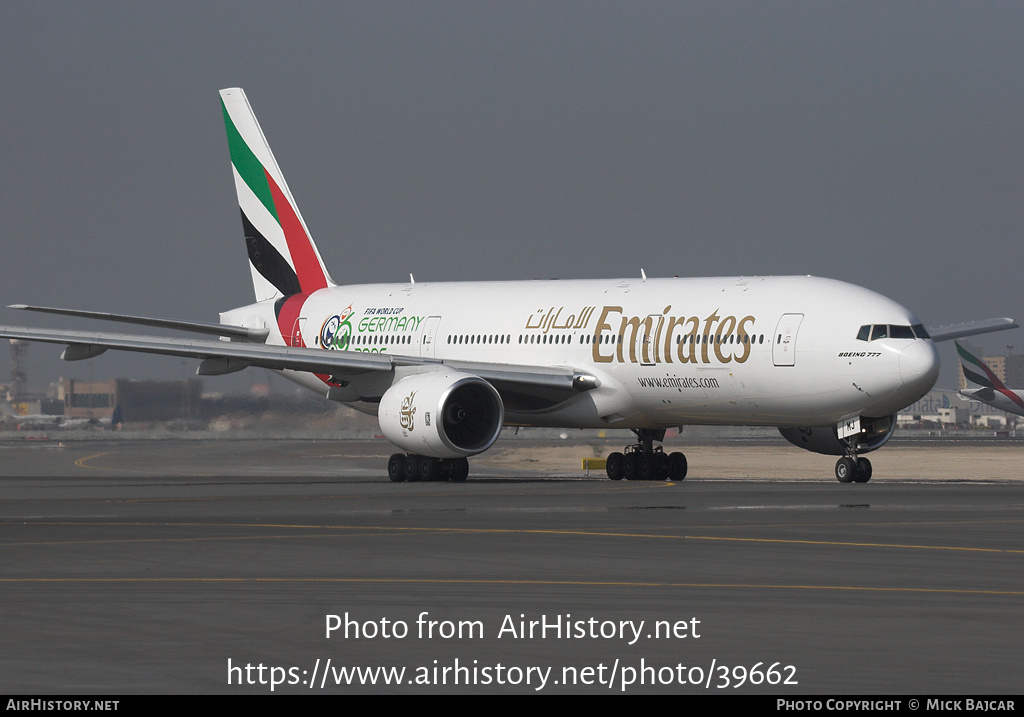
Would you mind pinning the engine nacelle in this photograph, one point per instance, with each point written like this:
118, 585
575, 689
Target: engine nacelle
442, 414
825, 439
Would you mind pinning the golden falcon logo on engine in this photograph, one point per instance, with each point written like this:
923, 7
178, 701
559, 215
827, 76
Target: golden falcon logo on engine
407, 412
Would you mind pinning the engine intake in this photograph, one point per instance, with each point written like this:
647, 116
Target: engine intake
442, 414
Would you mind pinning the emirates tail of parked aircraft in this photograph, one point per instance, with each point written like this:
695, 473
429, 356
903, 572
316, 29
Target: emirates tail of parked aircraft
992, 391
445, 366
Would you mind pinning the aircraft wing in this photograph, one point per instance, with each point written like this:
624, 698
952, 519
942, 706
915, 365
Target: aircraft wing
218, 357
226, 330
971, 328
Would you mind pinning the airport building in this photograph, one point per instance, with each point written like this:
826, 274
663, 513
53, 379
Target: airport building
949, 410
131, 400
1009, 369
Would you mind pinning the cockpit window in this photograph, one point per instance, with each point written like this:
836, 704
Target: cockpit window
871, 332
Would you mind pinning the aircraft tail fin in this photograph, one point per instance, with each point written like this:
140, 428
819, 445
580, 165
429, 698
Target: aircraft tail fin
988, 380
976, 371
283, 258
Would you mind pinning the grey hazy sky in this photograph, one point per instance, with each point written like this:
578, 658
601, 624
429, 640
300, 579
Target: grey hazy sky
874, 142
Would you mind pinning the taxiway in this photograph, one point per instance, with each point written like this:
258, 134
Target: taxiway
157, 567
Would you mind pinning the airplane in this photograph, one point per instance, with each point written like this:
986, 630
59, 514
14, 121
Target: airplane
44, 421
444, 366
27, 421
992, 391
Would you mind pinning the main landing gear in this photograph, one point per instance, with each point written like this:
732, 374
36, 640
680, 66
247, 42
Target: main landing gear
851, 469
644, 461
411, 467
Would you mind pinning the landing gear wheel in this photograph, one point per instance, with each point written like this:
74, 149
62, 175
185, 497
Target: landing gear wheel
460, 469
396, 468
412, 468
429, 468
676, 466
631, 466
863, 470
662, 466
846, 469
648, 467
444, 469
614, 465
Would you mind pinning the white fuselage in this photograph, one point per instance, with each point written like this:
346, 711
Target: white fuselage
779, 351
997, 399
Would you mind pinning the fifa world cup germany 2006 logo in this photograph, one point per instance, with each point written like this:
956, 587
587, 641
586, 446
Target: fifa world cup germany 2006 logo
407, 412
336, 333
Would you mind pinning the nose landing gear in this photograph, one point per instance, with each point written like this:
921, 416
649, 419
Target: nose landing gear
851, 469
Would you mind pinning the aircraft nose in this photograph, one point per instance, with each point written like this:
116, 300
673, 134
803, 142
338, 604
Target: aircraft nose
919, 366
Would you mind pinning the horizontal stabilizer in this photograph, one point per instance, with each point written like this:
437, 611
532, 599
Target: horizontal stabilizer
984, 395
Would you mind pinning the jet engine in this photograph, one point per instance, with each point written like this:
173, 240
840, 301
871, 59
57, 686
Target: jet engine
442, 414
825, 439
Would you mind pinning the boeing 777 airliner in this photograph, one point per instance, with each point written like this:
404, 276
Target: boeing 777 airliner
445, 366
